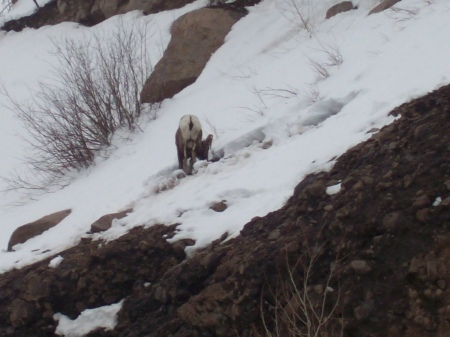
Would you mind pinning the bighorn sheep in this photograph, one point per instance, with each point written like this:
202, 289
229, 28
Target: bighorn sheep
190, 145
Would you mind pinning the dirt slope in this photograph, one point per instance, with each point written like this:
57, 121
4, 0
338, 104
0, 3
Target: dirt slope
372, 257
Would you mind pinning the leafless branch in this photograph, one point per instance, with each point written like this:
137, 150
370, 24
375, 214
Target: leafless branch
94, 91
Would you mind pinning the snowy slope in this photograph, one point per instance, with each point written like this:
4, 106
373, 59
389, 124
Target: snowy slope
260, 86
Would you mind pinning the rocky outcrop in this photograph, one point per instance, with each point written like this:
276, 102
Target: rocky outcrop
35, 228
341, 7
88, 12
105, 221
385, 4
195, 36
376, 251
88, 277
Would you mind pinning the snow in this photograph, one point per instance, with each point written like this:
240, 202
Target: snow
259, 88
88, 320
55, 262
22, 8
333, 189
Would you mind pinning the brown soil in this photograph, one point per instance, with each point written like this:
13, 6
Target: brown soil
379, 250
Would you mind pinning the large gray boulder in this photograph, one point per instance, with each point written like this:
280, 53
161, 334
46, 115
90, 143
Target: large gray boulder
195, 36
35, 228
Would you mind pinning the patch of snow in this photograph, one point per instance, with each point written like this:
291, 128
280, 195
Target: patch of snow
54, 263
333, 189
437, 201
89, 320
260, 87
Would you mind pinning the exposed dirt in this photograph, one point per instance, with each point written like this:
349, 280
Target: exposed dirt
379, 250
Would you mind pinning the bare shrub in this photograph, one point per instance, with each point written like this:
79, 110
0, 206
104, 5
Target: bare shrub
304, 304
95, 90
5, 6
299, 12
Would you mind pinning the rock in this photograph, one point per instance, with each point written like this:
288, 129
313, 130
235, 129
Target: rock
407, 181
219, 206
394, 332
316, 189
21, 312
30, 230
393, 221
343, 213
88, 12
421, 131
367, 180
267, 144
422, 201
415, 265
105, 221
383, 6
447, 183
441, 284
329, 208
363, 311
38, 287
180, 245
195, 37
109, 8
274, 235
360, 266
342, 7
358, 186
423, 214
445, 202
432, 270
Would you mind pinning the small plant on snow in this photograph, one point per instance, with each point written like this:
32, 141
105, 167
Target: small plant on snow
94, 92
299, 12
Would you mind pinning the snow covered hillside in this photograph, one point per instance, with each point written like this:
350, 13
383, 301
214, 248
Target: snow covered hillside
309, 93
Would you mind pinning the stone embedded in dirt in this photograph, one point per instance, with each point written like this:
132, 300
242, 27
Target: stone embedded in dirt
316, 189
21, 312
447, 183
195, 37
37, 287
30, 230
105, 221
363, 311
360, 266
441, 284
383, 6
422, 201
423, 214
415, 265
407, 181
329, 208
445, 202
274, 235
342, 7
421, 131
393, 221
219, 206
180, 245
432, 271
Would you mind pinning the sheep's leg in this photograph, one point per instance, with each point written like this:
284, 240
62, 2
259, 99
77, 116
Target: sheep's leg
180, 159
193, 159
185, 160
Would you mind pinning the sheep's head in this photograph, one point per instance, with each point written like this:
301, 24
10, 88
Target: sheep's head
203, 149
208, 141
